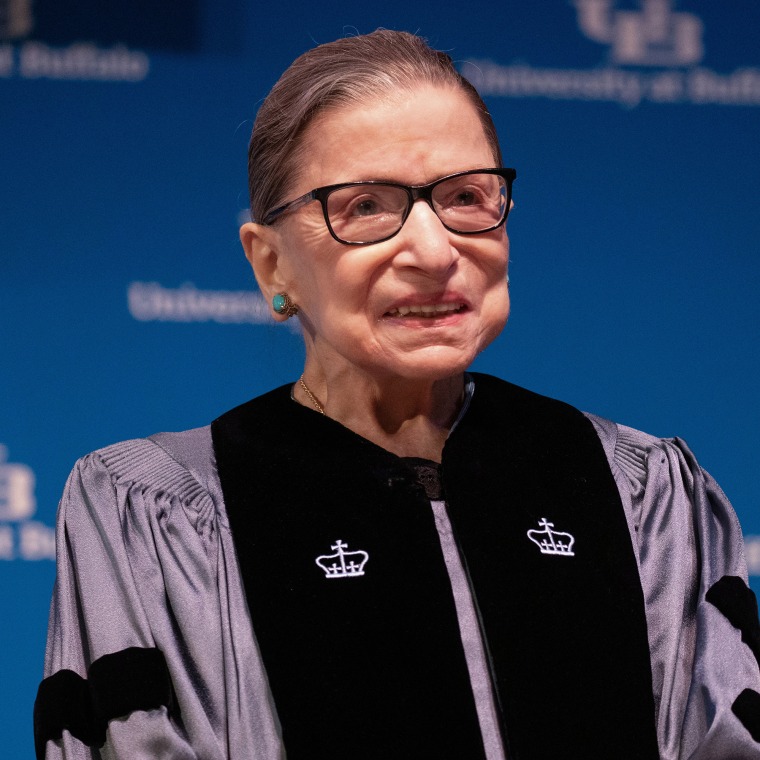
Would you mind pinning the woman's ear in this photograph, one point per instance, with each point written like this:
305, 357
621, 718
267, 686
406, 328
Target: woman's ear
261, 245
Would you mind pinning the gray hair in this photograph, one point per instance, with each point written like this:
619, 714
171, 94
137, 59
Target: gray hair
346, 72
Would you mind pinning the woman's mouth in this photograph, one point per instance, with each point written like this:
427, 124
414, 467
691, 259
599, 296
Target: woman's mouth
427, 311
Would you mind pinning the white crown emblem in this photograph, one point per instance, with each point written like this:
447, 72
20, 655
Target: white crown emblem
550, 541
343, 564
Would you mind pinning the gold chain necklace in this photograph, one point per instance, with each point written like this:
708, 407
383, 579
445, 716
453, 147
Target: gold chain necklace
314, 401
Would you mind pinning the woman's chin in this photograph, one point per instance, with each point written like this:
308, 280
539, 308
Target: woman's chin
430, 364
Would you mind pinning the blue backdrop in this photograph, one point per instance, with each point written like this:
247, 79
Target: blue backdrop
126, 306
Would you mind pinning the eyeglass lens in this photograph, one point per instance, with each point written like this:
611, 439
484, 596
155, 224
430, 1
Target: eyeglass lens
370, 212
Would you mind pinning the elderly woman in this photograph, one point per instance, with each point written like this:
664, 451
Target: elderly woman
393, 558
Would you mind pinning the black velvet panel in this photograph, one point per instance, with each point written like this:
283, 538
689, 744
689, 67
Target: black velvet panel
366, 666
117, 684
738, 603
567, 635
746, 707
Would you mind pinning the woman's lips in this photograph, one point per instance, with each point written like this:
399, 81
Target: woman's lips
427, 311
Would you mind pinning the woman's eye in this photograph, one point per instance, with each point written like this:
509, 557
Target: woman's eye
366, 207
366, 203
465, 195
464, 198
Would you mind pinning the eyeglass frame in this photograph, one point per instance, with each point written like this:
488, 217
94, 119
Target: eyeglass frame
413, 192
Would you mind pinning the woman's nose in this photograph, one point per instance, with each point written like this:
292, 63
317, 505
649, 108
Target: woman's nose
426, 243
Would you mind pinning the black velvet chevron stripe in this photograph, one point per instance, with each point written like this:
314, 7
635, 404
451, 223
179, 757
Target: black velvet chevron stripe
116, 685
738, 603
746, 707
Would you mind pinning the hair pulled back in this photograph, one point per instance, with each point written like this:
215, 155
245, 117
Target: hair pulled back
349, 71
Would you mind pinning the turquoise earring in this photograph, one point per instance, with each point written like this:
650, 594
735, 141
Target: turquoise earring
281, 304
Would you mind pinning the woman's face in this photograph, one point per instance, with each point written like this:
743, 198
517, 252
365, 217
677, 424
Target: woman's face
351, 298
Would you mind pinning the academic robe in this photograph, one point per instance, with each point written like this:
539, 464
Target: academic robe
148, 562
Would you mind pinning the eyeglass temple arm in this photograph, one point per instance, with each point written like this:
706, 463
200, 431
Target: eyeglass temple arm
293, 205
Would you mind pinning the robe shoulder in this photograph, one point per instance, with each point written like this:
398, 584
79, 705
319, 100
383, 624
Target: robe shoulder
688, 541
145, 560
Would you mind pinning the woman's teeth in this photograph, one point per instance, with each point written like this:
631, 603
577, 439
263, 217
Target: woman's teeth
427, 310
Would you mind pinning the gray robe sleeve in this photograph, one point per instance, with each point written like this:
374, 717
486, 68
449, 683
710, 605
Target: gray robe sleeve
686, 537
145, 559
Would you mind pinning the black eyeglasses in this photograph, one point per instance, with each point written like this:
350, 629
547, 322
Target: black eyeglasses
361, 213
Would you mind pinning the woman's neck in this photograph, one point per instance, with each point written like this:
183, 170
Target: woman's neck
406, 417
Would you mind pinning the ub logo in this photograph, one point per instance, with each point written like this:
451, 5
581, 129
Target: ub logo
26, 539
16, 19
653, 36
17, 500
